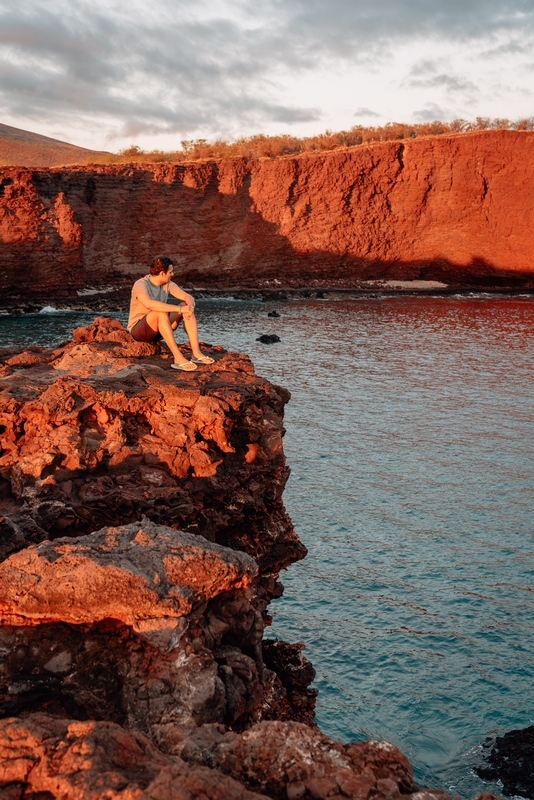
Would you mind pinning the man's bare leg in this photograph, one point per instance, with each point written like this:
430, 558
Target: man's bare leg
190, 325
159, 321
174, 318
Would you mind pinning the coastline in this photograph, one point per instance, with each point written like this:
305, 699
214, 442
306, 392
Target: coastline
117, 299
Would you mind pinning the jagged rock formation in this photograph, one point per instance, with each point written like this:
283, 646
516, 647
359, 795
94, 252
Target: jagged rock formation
101, 431
88, 760
453, 208
511, 761
142, 625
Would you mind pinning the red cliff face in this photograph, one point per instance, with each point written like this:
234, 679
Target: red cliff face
459, 209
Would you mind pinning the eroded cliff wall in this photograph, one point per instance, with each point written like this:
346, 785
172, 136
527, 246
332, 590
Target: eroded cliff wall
458, 209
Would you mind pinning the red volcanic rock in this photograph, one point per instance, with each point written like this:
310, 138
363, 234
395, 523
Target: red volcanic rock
452, 208
168, 621
96, 434
101, 432
291, 760
44, 757
143, 575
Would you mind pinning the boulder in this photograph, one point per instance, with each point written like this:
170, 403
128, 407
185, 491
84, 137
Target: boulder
143, 575
141, 625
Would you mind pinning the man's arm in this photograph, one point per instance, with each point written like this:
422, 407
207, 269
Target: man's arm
155, 305
181, 295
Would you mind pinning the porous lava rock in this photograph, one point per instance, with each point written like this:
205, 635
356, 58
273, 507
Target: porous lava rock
57, 759
288, 759
142, 625
456, 209
100, 431
511, 761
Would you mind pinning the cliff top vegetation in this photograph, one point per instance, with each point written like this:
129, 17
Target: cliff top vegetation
262, 146
25, 149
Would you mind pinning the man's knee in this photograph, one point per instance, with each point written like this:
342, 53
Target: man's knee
154, 318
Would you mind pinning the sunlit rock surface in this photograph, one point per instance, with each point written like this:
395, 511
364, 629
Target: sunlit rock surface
52, 758
101, 432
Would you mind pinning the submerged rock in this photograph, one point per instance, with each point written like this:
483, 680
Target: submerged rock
268, 338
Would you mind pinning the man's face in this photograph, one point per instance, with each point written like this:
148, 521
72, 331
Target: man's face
168, 275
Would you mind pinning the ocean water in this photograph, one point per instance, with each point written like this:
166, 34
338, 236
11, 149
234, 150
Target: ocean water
410, 440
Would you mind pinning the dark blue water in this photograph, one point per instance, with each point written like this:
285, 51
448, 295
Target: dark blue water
409, 437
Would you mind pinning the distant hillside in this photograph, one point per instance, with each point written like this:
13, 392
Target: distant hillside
26, 149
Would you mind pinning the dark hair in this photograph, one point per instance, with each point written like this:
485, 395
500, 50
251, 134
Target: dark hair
161, 264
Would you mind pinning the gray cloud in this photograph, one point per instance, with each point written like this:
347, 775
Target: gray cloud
155, 77
340, 25
178, 65
365, 112
430, 113
513, 47
448, 82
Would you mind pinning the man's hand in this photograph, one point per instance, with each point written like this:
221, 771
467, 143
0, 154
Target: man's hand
188, 308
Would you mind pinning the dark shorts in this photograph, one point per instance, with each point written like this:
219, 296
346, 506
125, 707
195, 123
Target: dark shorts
142, 332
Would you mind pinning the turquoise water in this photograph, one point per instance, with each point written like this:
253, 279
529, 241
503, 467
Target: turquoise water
409, 436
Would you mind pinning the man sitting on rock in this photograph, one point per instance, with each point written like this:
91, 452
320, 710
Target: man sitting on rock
152, 317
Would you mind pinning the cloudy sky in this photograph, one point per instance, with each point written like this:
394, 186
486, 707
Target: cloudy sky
109, 73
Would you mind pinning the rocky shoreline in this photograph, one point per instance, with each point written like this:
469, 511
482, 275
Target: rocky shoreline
119, 300
142, 536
